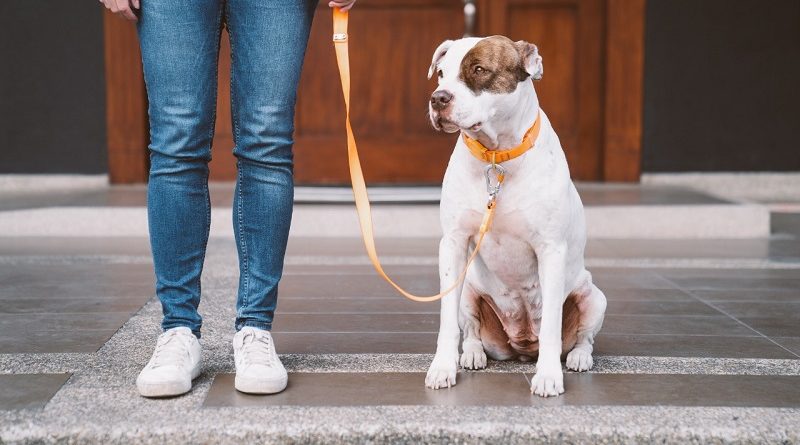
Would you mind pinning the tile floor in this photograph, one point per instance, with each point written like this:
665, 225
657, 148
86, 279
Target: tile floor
511, 389
77, 319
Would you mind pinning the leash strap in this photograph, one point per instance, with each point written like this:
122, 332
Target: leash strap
357, 176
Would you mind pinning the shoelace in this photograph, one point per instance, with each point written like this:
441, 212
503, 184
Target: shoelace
256, 349
170, 350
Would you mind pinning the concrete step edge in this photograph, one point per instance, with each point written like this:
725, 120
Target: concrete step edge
615, 222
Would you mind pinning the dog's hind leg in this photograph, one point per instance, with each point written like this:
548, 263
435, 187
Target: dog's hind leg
592, 308
473, 355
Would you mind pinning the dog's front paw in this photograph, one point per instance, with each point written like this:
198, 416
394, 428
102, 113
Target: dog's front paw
473, 356
579, 359
548, 382
442, 373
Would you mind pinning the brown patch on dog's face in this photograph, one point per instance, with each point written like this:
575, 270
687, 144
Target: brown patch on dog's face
494, 64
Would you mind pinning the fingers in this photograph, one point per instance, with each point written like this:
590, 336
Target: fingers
121, 7
344, 5
126, 10
136, 4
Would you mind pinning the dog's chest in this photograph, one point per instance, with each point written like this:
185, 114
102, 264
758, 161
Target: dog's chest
510, 259
509, 279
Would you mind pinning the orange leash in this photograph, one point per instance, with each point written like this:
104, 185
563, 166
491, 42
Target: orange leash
357, 177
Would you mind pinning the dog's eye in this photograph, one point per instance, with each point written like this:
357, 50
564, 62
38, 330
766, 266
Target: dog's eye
441, 74
479, 70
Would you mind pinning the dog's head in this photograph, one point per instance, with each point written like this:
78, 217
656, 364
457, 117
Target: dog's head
478, 79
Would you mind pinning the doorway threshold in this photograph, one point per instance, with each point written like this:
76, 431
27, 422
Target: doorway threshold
377, 195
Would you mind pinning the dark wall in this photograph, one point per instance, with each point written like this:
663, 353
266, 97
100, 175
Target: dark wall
52, 93
722, 85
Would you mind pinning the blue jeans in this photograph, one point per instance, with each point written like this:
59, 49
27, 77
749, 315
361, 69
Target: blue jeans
180, 48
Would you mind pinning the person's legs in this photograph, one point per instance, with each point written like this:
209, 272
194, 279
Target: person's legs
268, 42
180, 45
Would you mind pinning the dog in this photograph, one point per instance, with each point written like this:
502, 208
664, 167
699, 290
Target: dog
527, 294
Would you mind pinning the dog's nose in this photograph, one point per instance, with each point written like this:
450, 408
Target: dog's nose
440, 99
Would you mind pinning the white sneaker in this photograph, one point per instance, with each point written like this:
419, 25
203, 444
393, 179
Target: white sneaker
173, 366
258, 368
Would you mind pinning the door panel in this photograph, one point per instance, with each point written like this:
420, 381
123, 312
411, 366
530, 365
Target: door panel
554, 31
391, 44
569, 34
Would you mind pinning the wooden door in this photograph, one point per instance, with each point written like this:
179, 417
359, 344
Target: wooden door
592, 88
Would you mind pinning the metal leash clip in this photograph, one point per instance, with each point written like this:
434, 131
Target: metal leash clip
499, 175
339, 37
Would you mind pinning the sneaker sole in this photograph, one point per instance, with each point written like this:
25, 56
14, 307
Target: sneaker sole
259, 386
167, 389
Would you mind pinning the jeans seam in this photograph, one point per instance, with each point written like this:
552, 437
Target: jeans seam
242, 242
211, 139
216, 75
239, 212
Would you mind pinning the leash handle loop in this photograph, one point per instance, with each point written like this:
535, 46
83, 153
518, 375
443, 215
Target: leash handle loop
357, 176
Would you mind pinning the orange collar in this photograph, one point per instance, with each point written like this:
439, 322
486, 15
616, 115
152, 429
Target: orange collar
497, 156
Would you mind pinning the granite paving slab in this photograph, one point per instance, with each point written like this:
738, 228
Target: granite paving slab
356, 342
513, 389
690, 346
762, 309
788, 326
790, 343
674, 325
34, 340
28, 391
749, 295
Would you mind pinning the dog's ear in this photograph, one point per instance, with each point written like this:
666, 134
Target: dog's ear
531, 60
437, 56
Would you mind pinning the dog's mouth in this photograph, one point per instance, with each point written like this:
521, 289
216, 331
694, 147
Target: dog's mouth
448, 126
443, 124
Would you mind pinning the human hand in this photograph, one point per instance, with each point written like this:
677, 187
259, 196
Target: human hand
123, 8
344, 5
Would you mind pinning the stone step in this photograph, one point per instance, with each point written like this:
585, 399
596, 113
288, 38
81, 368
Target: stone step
613, 211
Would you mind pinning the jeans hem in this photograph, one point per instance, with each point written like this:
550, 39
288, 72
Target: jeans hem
196, 332
253, 324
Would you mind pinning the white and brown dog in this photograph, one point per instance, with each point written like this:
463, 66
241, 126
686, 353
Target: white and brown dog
528, 293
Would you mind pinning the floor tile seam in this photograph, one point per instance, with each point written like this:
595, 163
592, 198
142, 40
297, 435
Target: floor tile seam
615, 300
596, 261
797, 302
636, 334
3, 313
56, 259
677, 262
281, 332
713, 306
357, 297
279, 312
126, 312
278, 331
418, 363
71, 329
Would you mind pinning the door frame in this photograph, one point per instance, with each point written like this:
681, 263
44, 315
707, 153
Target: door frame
620, 106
